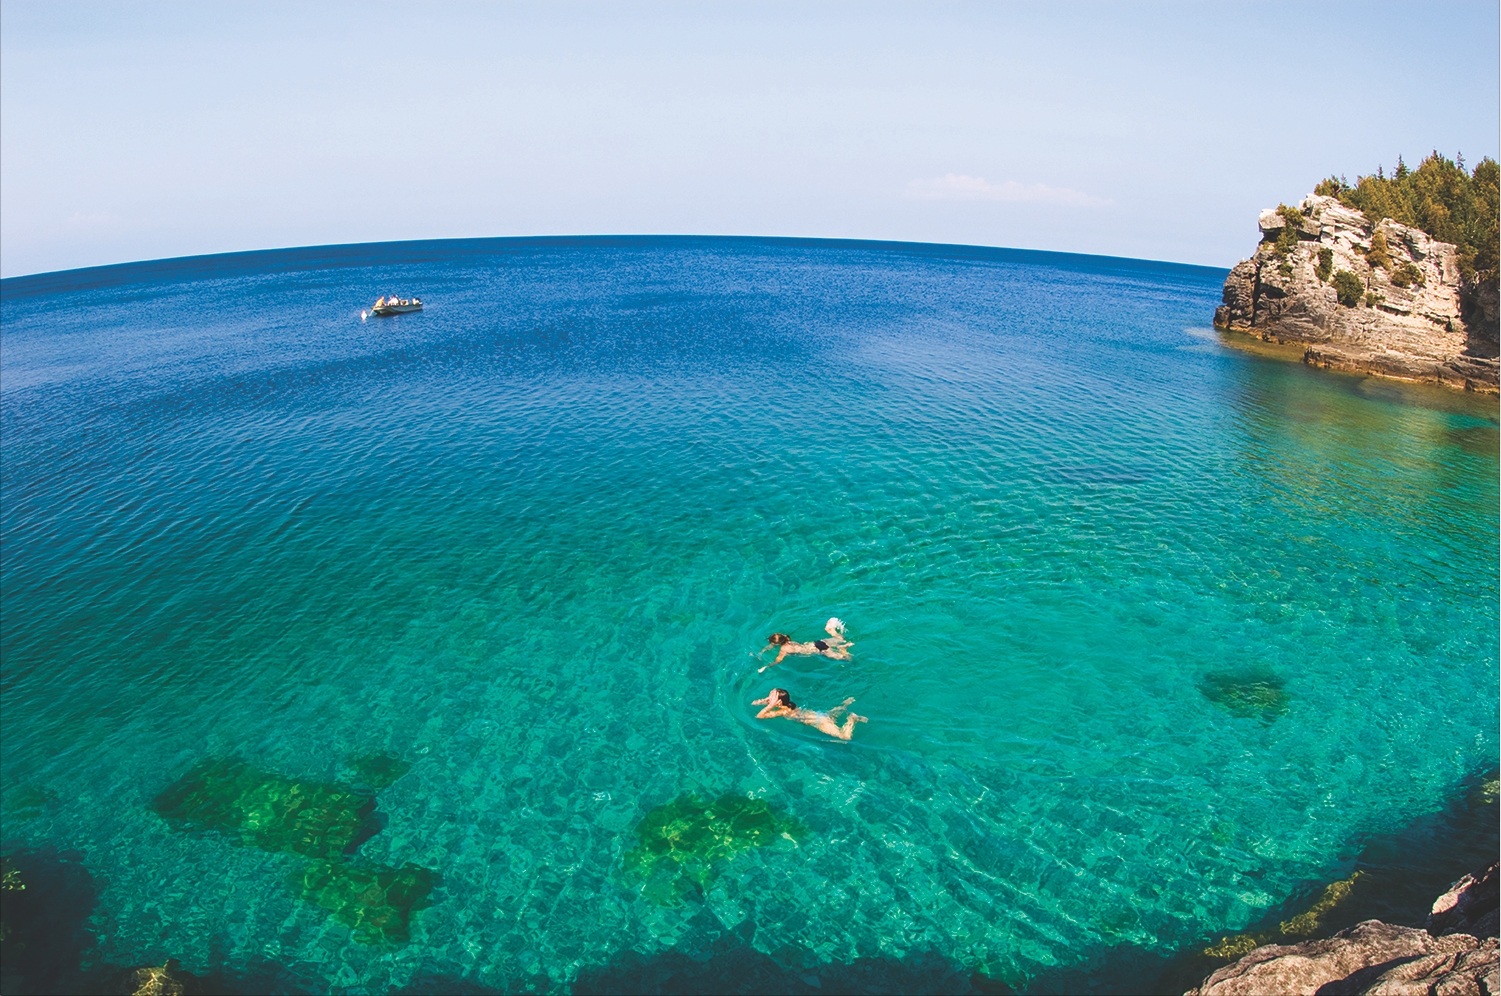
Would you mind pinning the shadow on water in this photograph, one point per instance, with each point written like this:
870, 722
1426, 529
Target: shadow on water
46, 922
1392, 877
725, 961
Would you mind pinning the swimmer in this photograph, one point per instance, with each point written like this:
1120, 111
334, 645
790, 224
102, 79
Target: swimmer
779, 703
836, 646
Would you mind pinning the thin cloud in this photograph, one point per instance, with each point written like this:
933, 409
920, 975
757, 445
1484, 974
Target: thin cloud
956, 187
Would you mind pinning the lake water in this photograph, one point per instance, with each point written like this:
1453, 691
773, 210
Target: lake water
1152, 634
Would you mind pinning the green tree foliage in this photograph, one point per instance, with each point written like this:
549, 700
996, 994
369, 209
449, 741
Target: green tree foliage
1439, 198
1332, 186
1406, 275
1378, 254
1287, 238
1326, 264
1348, 287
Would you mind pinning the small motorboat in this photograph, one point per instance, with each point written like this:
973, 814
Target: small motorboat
394, 306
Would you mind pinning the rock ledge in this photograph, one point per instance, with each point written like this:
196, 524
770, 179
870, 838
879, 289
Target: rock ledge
1455, 956
1436, 329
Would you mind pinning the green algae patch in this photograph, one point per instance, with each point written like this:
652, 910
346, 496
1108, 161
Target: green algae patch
1248, 693
1317, 919
680, 842
1313, 920
255, 808
377, 771
376, 901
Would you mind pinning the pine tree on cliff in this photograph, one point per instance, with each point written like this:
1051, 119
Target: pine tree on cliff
1439, 198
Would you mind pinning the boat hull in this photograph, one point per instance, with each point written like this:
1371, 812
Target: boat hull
395, 309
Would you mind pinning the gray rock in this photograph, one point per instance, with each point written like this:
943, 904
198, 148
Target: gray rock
1435, 330
1371, 957
1480, 303
1470, 905
1455, 956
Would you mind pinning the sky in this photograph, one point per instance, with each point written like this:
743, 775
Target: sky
1152, 130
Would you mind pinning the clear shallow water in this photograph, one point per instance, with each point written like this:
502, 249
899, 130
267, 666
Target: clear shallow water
530, 540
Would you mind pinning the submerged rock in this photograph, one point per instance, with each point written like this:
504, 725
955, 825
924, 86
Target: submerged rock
680, 841
1403, 311
29, 801
10, 881
377, 771
1374, 957
324, 820
168, 979
1311, 921
376, 900
1247, 693
255, 808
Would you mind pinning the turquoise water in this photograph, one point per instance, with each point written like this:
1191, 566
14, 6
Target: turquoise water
1148, 630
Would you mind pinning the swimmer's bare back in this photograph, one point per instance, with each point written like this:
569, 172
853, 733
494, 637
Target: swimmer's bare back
823, 722
836, 646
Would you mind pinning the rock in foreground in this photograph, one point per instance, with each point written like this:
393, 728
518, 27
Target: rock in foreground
1377, 958
1381, 299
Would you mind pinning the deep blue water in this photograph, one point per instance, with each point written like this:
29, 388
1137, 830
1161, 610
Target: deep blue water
1151, 632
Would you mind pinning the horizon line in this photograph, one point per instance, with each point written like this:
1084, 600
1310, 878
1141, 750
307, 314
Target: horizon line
563, 239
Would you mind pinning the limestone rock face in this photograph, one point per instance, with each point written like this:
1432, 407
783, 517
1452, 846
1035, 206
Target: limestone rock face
1376, 958
1434, 329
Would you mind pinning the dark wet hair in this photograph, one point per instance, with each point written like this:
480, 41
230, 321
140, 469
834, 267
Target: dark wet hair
779, 638
780, 694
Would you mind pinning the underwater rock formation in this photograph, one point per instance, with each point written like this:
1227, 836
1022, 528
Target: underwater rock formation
1374, 957
322, 820
255, 808
680, 841
29, 801
1384, 299
169, 979
377, 771
377, 901
1311, 921
1248, 693
10, 881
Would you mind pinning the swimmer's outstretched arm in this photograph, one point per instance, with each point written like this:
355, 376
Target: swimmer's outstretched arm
775, 662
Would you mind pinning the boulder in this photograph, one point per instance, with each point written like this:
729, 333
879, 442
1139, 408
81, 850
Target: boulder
1435, 329
1469, 907
1455, 956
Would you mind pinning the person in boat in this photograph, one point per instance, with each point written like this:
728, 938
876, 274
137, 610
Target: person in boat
836, 646
779, 703
380, 302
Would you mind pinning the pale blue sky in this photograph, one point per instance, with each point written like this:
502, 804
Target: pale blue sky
139, 130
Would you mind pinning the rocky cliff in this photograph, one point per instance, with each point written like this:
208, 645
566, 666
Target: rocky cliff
1454, 953
1410, 316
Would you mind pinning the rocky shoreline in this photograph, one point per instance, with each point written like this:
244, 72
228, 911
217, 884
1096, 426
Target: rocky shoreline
1454, 953
1382, 299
